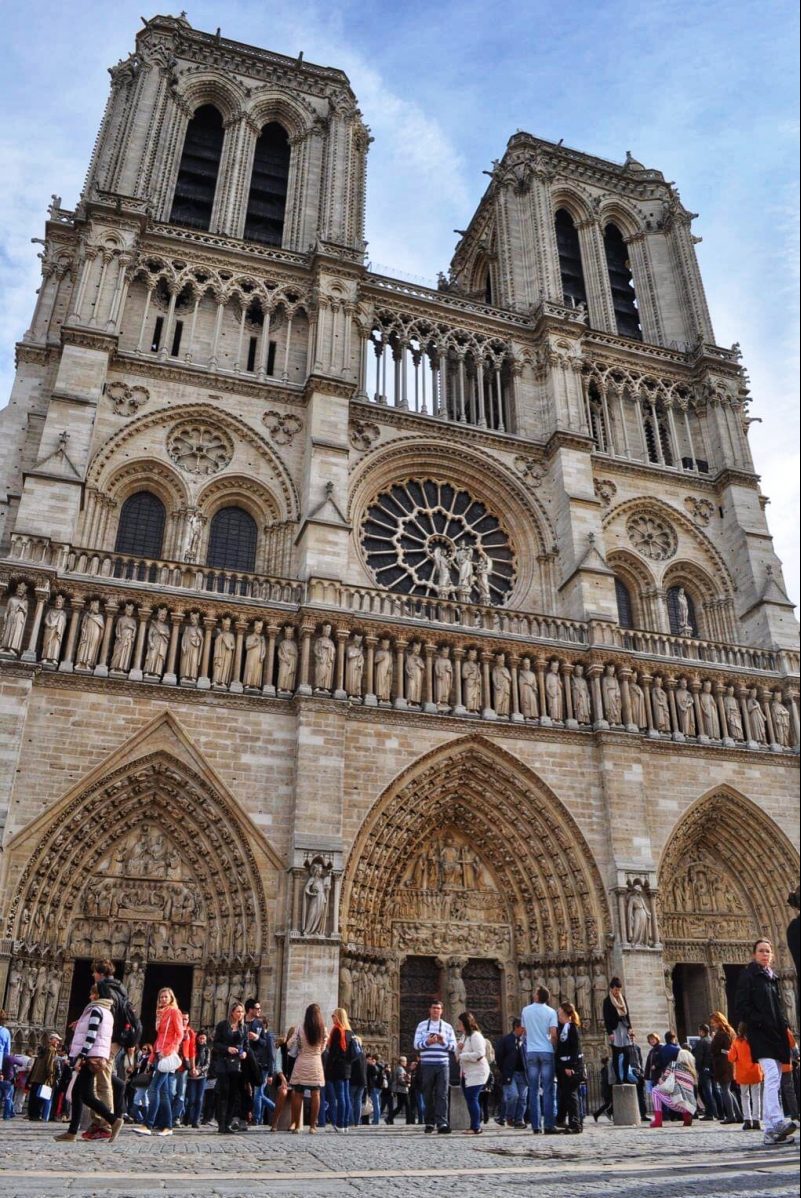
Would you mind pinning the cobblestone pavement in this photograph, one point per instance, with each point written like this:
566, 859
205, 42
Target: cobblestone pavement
384, 1162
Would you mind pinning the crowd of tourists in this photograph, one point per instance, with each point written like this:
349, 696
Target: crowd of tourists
319, 1074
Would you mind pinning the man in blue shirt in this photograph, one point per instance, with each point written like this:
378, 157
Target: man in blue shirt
434, 1040
5, 1038
541, 1026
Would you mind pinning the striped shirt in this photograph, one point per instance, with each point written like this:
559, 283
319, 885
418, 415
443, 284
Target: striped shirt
434, 1054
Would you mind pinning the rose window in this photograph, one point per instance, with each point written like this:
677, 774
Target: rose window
199, 448
654, 538
425, 537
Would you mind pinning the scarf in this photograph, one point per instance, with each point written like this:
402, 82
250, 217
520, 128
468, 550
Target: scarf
619, 1004
565, 1031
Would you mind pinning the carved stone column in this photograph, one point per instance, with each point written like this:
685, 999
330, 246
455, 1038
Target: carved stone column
488, 711
539, 667
135, 672
514, 665
670, 687
728, 740
171, 678
370, 698
204, 681
646, 680
428, 697
268, 686
695, 687
594, 672
66, 666
304, 685
236, 686
342, 640
792, 699
42, 593
764, 698
742, 698
567, 674
400, 672
101, 669
458, 705
624, 676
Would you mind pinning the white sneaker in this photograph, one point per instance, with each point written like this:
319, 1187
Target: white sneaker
141, 1130
164, 1131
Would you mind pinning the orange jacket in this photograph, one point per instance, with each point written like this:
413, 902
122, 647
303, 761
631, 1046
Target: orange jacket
791, 1039
746, 1071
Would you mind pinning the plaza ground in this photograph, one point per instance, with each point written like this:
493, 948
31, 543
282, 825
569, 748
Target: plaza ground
625, 1162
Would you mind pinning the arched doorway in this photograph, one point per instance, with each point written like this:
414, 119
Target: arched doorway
724, 879
469, 879
152, 866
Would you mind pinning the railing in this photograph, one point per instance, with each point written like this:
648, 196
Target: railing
660, 644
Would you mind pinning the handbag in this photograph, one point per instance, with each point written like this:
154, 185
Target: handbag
170, 1063
45, 1093
667, 1082
139, 1080
367, 1109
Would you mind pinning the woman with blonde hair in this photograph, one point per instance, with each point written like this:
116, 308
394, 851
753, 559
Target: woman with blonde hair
165, 1059
723, 1036
338, 1068
230, 1051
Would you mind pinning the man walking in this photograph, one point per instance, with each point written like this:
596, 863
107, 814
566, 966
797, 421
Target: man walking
510, 1056
109, 1088
434, 1040
702, 1052
541, 1027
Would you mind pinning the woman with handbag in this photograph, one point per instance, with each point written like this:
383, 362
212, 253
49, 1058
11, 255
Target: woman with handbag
90, 1052
723, 1036
569, 1066
230, 1053
164, 1059
676, 1089
471, 1053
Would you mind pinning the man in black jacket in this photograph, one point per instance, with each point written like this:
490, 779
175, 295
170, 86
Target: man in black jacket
702, 1052
260, 1043
758, 1004
510, 1057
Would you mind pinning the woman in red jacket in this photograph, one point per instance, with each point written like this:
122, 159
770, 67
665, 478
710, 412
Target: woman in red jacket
165, 1058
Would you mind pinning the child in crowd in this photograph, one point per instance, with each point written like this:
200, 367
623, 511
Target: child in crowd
7, 1096
749, 1077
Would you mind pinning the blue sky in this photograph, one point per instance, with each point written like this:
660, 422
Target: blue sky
706, 92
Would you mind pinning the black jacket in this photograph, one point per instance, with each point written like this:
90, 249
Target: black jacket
510, 1056
568, 1051
358, 1070
758, 1004
226, 1037
612, 1017
339, 1065
702, 1052
263, 1049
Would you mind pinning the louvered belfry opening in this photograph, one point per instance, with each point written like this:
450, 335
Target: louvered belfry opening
624, 297
570, 268
268, 186
197, 175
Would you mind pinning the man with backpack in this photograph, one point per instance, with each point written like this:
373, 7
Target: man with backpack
127, 1033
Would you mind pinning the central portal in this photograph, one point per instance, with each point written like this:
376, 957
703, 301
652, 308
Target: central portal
479, 989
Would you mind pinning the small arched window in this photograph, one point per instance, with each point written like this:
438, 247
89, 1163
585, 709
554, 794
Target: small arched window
232, 540
681, 619
141, 528
268, 186
570, 267
625, 608
488, 287
624, 297
197, 174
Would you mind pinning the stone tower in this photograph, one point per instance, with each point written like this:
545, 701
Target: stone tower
363, 640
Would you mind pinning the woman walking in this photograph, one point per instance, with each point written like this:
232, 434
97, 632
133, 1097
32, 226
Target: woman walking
307, 1073
722, 1072
164, 1059
748, 1076
471, 1053
90, 1051
759, 1006
676, 1089
230, 1050
338, 1068
569, 1066
618, 1024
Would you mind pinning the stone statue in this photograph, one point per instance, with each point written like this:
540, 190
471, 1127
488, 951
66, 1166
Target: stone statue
599, 993
324, 655
583, 996
194, 527
40, 996
287, 660
255, 653
685, 627
638, 915
466, 572
124, 640
191, 648
610, 688
501, 685
443, 582
354, 666
223, 659
91, 637
483, 571
709, 712
527, 686
756, 718
14, 988
457, 992
443, 678
345, 987
220, 998
471, 681
134, 983
158, 642
637, 694
55, 622
383, 671
781, 720
734, 719
414, 670
315, 899
685, 708
661, 706
670, 997
51, 1003
582, 709
15, 620
554, 692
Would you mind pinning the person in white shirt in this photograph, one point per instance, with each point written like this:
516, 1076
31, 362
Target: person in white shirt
434, 1040
541, 1024
471, 1052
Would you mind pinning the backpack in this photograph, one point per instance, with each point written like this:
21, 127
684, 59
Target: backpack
127, 1024
354, 1050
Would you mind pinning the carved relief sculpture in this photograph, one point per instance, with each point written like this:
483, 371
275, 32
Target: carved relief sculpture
638, 914
637, 696
55, 623
158, 642
554, 692
354, 666
324, 655
611, 695
383, 671
316, 893
685, 708
709, 712
414, 669
223, 660
527, 686
443, 678
661, 706
191, 648
124, 640
582, 710
734, 718
255, 652
471, 681
501, 685
781, 720
652, 537
91, 637
287, 660
14, 620
756, 718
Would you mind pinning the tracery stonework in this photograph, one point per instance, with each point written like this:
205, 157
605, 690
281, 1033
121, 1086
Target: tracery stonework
199, 448
654, 538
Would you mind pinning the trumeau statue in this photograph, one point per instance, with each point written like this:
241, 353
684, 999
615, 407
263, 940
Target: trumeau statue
287, 660
354, 665
191, 648
383, 671
501, 685
124, 639
255, 652
554, 692
661, 706
527, 685
414, 670
158, 641
582, 710
611, 695
91, 637
709, 712
471, 682
315, 898
55, 623
685, 708
223, 660
14, 621
756, 717
443, 677
324, 655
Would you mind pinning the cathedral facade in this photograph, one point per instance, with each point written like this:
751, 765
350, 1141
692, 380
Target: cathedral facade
362, 640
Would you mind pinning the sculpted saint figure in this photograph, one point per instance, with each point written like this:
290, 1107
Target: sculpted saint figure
91, 637
554, 693
466, 573
734, 718
471, 681
582, 710
638, 917
756, 718
383, 670
354, 666
287, 660
685, 627
709, 712
124, 638
527, 685
501, 685
583, 993
51, 1003
443, 677
191, 648
483, 570
315, 900
255, 652
194, 527
685, 708
55, 622
414, 670
442, 572
661, 706
158, 641
223, 659
611, 695
637, 694
324, 654
14, 621
781, 720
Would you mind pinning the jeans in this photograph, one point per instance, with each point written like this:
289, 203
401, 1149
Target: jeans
541, 1071
140, 1104
179, 1096
195, 1091
356, 1100
620, 1058
83, 1094
472, 1098
46, 1104
727, 1101
375, 1098
159, 1100
515, 1094
340, 1114
710, 1098
434, 1084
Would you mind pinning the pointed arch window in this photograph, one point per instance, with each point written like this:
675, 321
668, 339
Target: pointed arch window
657, 438
674, 606
625, 607
624, 297
232, 540
140, 531
268, 186
200, 165
570, 265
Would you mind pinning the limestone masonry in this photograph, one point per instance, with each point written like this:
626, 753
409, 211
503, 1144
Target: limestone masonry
362, 640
